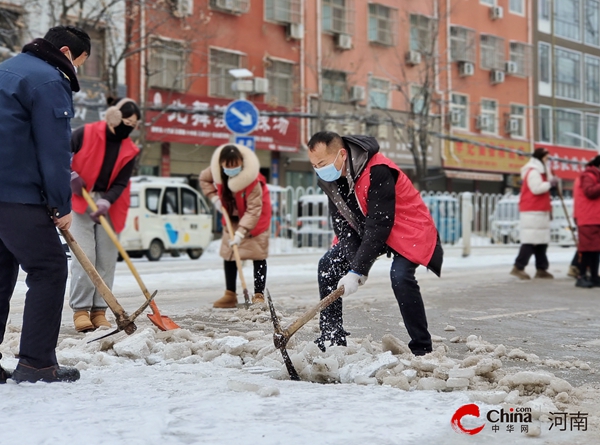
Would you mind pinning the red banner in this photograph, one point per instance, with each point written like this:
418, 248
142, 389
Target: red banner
273, 133
565, 170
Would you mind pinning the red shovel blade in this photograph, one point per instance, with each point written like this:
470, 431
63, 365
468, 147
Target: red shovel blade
162, 322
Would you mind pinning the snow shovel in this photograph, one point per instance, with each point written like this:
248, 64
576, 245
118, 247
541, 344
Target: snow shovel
236, 254
124, 322
571, 228
162, 322
282, 336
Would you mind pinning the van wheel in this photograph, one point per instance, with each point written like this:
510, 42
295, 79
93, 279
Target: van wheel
194, 254
155, 250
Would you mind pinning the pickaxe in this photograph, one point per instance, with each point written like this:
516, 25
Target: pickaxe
124, 322
282, 336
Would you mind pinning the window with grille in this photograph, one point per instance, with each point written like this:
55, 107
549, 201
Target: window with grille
462, 44
492, 52
335, 88
421, 33
283, 11
11, 27
567, 19
337, 16
379, 93
568, 128
281, 83
459, 111
382, 24
592, 22
520, 54
489, 108
592, 79
220, 79
168, 65
517, 114
567, 69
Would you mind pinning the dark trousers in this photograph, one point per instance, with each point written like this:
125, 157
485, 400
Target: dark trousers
333, 266
525, 253
260, 275
591, 261
28, 238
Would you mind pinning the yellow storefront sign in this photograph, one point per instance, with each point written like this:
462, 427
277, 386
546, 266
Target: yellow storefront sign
474, 156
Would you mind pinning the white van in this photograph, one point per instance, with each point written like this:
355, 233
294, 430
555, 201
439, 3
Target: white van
166, 214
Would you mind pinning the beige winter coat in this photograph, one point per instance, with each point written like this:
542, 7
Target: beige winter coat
251, 247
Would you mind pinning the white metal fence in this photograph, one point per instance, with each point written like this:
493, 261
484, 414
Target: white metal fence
465, 219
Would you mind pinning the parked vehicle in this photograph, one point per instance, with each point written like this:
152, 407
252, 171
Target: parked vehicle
504, 221
166, 215
444, 210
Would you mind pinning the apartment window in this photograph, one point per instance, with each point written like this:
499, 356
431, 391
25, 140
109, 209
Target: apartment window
567, 68
489, 113
421, 30
382, 24
281, 82
517, 6
459, 111
544, 10
592, 79
592, 22
379, 93
283, 11
335, 88
10, 29
417, 99
93, 68
168, 64
545, 124
220, 79
520, 54
567, 19
462, 44
517, 114
568, 128
487, 2
231, 6
336, 16
545, 64
591, 131
492, 52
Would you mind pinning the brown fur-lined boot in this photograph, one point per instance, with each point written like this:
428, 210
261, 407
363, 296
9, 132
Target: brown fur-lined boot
98, 318
229, 300
82, 321
258, 298
541, 273
520, 273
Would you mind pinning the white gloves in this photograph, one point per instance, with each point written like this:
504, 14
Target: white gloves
351, 281
217, 203
237, 239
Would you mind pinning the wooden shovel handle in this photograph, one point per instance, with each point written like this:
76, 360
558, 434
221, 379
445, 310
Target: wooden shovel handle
236, 252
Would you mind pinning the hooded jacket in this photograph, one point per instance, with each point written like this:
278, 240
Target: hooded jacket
534, 203
36, 107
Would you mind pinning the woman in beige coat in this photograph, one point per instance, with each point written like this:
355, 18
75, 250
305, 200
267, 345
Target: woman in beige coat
233, 181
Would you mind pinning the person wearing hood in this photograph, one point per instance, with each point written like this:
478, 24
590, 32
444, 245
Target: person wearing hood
586, 193
233, 181
36, 106
103, 161
375, 210
535, 208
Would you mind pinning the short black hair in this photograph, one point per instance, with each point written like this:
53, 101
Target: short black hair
594, 162
329, 138
76, 39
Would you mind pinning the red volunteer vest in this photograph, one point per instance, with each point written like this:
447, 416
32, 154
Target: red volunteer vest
264, 222
529, 202
586, 211
413, 235
87, 162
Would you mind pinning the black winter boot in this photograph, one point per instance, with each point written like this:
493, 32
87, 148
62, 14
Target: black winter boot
27, 373
4, 374
336, 338
584, 283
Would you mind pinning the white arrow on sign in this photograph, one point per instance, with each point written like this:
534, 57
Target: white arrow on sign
245, 118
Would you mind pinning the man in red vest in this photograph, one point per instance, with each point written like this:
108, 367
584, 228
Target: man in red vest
103, 163
534, 212
375, 210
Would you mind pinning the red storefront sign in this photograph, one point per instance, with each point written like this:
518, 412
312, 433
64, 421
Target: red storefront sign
566, 170
273, 133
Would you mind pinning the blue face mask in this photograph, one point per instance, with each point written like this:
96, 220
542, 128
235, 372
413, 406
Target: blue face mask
329, 173
231, 172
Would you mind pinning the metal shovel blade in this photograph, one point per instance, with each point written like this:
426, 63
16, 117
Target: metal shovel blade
280, 340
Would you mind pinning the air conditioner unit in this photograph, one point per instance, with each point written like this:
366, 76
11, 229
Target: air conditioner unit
496, 12
497, 76
455, 116
512, 125
233, 6
243, 85
343, 41
466, 69
261, 85
357, 93
295, 31
483, 121
511, 67
182, 8
413, 58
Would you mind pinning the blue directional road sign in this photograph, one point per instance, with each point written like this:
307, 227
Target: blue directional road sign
241, 117
248, 141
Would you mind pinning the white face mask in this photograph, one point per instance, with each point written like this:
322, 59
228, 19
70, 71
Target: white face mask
71, 59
